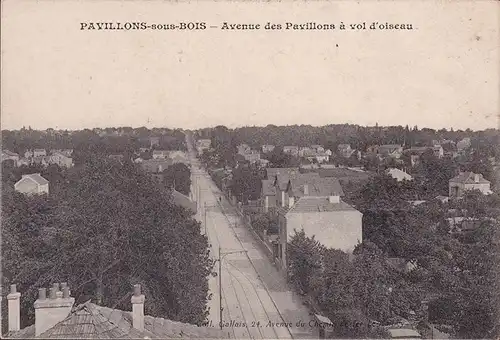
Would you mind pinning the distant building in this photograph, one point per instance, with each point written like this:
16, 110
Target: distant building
468, 181
32, 184
9, 155
291, 150
39, 153
390, 150
437, 150
267, 148
399, 175
154, 141
345, 150
160, 154
156, 165
332, 222
60, 159
464, 144
56, 317
404, 333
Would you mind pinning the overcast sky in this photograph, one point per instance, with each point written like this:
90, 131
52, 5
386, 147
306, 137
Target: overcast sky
445, 73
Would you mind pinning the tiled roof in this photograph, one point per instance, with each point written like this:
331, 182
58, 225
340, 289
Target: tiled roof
272, 172
318, 204
90, 321
469, 178
36, 178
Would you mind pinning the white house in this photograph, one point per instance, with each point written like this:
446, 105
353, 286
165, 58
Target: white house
399, 175
468, 181
32, 184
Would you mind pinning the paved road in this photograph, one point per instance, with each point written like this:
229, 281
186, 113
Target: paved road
256, 302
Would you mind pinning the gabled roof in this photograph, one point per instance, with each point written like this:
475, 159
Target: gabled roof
469, 178
308, 204
90, 321
35, 178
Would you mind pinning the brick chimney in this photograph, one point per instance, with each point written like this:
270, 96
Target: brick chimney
14, 309
54, 309
137, 308
476, 178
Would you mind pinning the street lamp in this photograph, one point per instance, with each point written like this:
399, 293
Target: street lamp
221, 257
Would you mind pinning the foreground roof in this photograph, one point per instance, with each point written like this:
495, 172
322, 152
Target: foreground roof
183, 200
90, 321
308, 204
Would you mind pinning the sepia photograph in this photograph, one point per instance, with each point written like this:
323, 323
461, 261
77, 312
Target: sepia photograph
250, 169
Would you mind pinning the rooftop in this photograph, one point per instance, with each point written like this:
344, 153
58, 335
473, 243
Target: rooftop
36, 178
469, 178
308, 204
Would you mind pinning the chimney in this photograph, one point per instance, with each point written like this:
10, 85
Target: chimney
291, 201
54, 309
306, 189
137, 308
14, 309
476, 178
334, 199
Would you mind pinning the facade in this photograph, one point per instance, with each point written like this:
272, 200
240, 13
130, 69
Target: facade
39, 153
345, 150
160, 154
32, 184
57, 317
332, 222
267, 148
60, 159
468, 181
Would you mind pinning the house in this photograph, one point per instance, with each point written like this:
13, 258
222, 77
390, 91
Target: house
318, 148
160, 154
267, 148
399, 175
28, 154
390, 150
442, 199
143, 150
306, 151
437, 150
60, 159
178, 156
289, 187
322, 157
468, 181
401, 265
243, 149
252, 157
117, 157
272, 172
345, 150
23, 161
291, 150
39, 153
56, 316
9, 155
65, 152
332, 222
156, 165
184, 201
154, 141
32, 184
329, 152
464, 144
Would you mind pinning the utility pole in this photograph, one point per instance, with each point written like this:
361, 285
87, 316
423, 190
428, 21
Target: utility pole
220, 289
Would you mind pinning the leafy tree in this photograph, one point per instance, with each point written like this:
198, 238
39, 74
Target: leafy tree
110, 227
178, 175
304, 260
